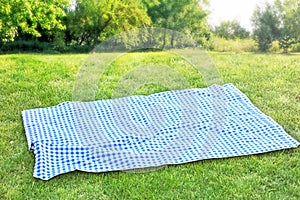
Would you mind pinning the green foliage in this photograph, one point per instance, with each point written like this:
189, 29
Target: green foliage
290, 19
237, 45
264, 37
279, 21
295, 47
231, 30
31, 17
93, 21
266, 26
20, 46
74, 49
26, 46
286, 42
88, 22
185, 16
275, 47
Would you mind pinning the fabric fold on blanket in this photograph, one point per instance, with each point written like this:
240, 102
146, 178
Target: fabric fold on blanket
170, 127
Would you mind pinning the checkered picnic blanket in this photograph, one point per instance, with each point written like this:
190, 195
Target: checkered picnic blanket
146, 131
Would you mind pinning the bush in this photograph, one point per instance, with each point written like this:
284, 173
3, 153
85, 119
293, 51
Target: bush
275, 47
238, 45
74, 49
25, 46
44, 47
295, 47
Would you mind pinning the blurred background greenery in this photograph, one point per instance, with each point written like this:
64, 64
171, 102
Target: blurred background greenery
59, 26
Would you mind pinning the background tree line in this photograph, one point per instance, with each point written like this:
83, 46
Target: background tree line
279, 21
81, 24
271, 22
85, 23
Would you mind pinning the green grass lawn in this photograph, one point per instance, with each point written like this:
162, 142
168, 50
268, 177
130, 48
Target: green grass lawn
271, 81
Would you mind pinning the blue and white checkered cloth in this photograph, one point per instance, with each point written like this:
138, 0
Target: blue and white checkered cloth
146, 131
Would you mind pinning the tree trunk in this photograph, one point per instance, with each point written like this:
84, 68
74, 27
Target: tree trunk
172, 39
164, 44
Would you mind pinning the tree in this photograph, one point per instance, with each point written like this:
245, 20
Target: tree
290, 19
93, 21
285, 42
185, 16
30, 17
266, 26
231, 30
